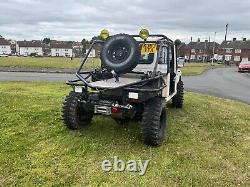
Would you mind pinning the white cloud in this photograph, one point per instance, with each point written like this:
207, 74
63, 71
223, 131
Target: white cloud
75, 19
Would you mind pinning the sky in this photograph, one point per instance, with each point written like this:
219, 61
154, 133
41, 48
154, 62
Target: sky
78, 19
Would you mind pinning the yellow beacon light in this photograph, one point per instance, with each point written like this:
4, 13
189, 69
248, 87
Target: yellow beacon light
144, 34
104, 34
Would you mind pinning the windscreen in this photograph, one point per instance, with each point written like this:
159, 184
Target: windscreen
148, 51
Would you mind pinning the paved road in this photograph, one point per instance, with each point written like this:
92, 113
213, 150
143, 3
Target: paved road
222, 82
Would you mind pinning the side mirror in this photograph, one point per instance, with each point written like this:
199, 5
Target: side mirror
180, 62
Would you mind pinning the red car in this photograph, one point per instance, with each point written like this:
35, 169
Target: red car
244, 67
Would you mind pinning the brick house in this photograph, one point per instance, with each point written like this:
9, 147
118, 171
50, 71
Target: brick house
183, 51
234, 50
198, 51
95, 52
77, 49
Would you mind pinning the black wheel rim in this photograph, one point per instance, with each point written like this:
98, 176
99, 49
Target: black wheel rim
119, 52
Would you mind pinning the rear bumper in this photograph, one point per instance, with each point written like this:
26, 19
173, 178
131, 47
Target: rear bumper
244, 70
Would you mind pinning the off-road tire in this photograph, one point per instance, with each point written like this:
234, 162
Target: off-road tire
120, 53
178, 99
73, 113
154, 121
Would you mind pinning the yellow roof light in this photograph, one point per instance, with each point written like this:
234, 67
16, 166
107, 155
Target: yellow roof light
144, 34
104, 34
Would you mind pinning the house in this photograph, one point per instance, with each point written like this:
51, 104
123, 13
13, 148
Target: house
5, 48
183, 51
234, 50
202, 51
92, 53
29, 48
61, 49
77, 49
198, 51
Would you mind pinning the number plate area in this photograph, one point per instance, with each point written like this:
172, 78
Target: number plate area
99, 109
148, 48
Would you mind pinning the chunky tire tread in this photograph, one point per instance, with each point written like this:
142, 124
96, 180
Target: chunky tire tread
73, 115
154, 121
178, 99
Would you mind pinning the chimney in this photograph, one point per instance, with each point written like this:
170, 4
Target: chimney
244, 39
234, 39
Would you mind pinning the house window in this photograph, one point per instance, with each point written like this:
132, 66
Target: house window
236, 58
192, 50
66, 50
237, 50
192, 57
228, 50
27, 48
200, 51
228, 57
57, 54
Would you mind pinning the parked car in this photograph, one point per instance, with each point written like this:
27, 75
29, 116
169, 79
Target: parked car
3, 55
244, 66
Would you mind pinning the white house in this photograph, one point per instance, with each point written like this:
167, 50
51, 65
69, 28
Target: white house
5, 48
27, 48
92, 53
62, 49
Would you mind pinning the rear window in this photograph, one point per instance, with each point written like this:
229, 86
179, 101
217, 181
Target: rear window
148, 50
146, 58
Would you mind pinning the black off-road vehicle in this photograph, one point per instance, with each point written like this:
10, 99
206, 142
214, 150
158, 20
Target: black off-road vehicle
138, 76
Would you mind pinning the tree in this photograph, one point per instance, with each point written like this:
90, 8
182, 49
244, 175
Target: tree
46, 40
177, 42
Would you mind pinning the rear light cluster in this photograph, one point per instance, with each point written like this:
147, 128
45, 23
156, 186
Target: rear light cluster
114, 109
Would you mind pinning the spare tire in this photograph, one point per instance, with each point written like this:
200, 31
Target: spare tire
120, 53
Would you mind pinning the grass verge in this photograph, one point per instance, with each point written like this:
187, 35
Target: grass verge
197, 68
207, 143
46, 62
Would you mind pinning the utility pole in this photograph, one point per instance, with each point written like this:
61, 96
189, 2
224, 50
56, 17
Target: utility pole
213, 49
226, 32
224, 56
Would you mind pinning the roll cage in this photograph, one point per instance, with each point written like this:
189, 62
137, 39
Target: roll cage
83, 76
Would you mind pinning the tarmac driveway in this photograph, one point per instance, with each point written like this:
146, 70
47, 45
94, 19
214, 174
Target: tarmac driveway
222, 82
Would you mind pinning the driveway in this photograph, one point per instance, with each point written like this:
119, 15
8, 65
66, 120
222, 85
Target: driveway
222, 82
